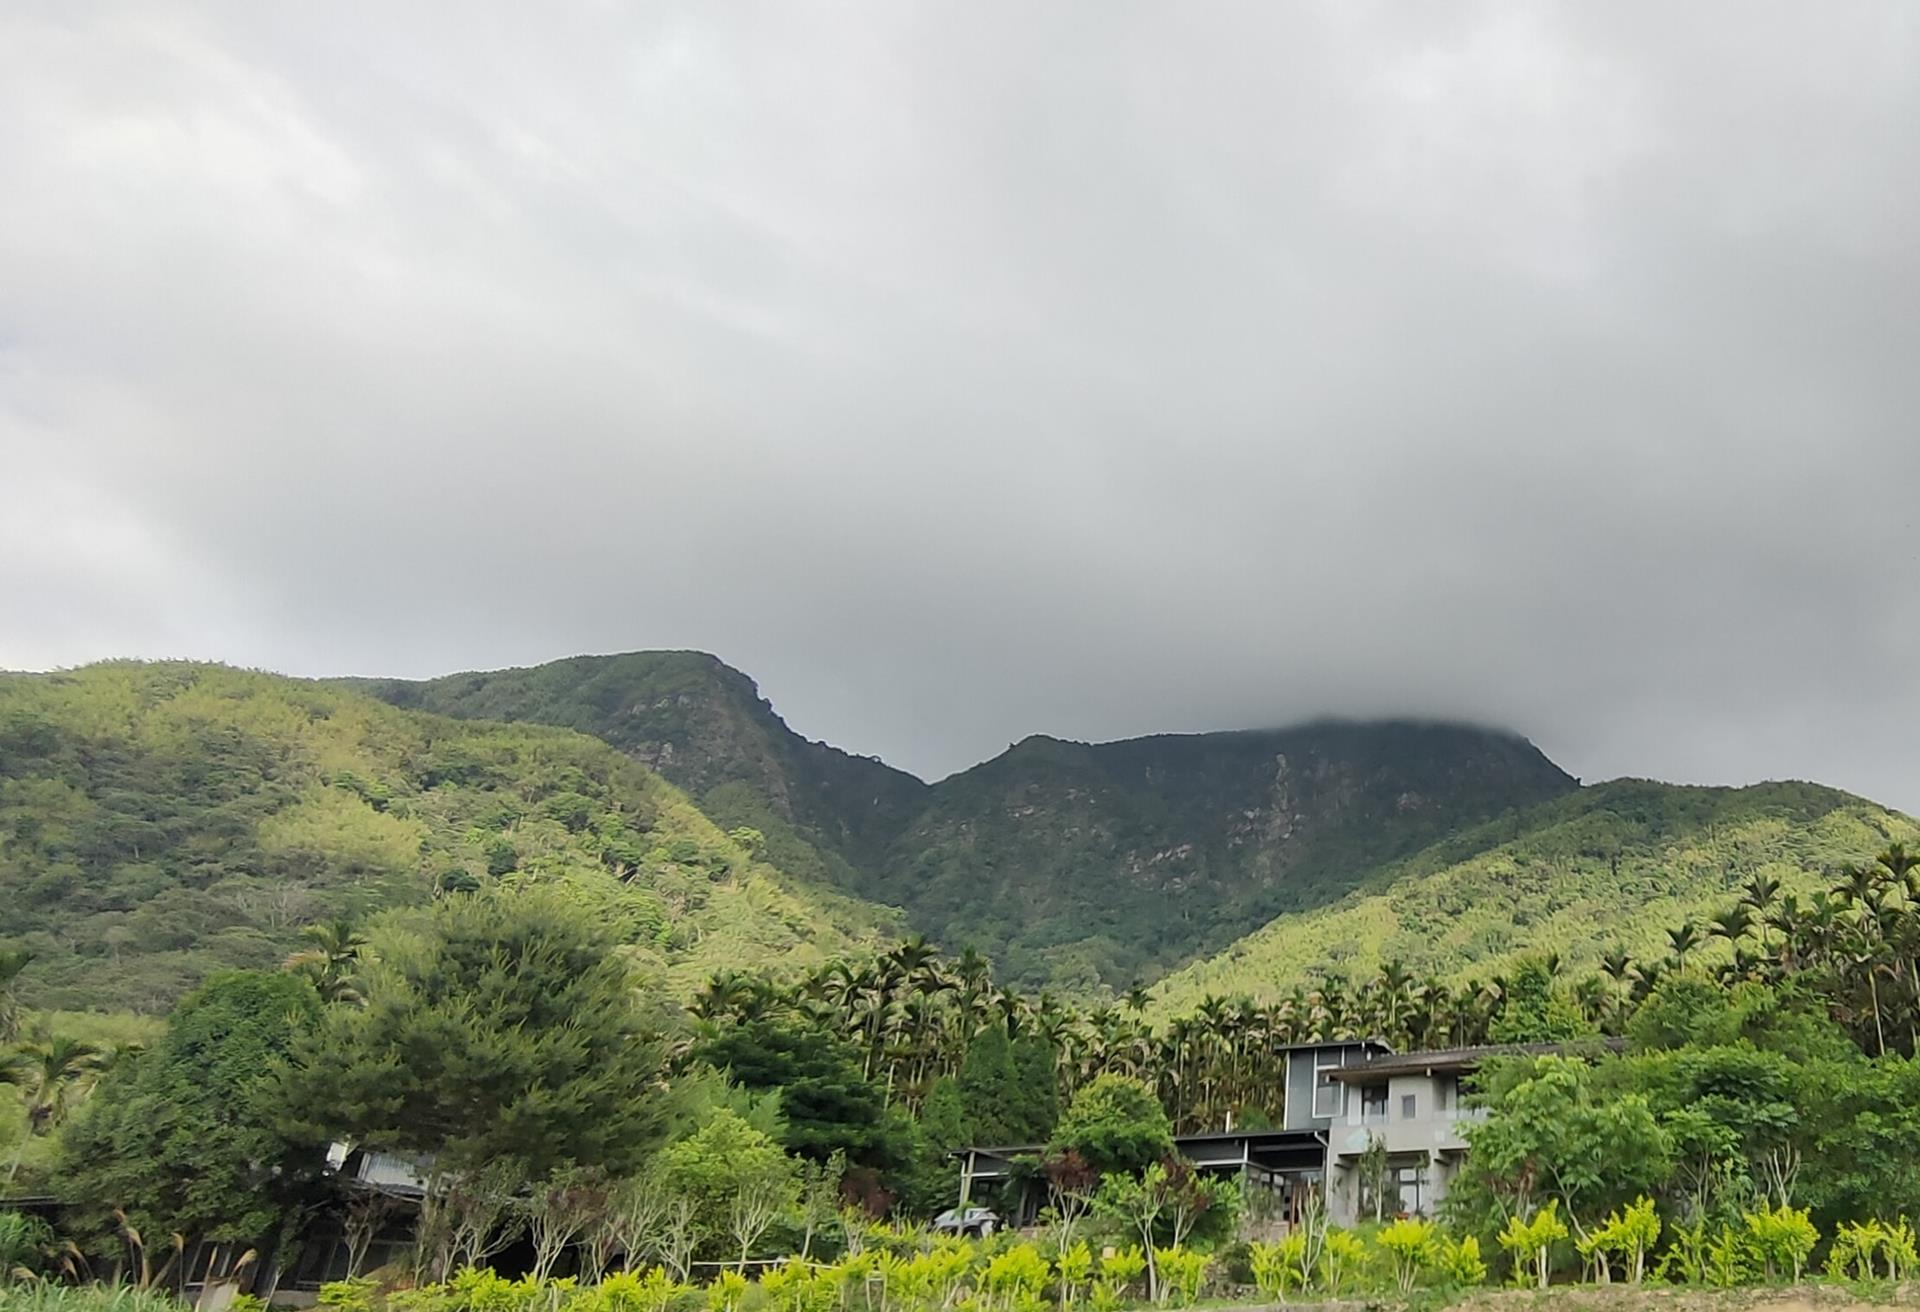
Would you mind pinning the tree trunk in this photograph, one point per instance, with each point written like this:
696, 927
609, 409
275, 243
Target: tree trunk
26, 1137
1873, 988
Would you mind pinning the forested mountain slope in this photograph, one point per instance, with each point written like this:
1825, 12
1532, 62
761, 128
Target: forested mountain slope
1104, 864
1613, 866
158, 821
1071, 865
826, 814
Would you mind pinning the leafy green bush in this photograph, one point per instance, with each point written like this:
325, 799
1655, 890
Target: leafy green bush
1530, 1243
1409, 1246
1782, 1238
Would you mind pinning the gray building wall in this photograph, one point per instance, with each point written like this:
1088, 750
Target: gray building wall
1429, 1144
1313, 1102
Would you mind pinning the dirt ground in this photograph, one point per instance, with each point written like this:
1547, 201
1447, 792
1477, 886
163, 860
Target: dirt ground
1628, 1298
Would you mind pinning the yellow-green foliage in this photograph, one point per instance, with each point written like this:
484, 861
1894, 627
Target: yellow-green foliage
1782, 1238
1275, 1265
1072, 1268
1530, 1243
1629, 1235
1859, 1248
43, 1296
1608, 867
1342, 1257
164, 820
1898, 1246
1409, 1246
793, 1286
1727, 1259
1321, 1259
1461, 1263
1120, 1270
1183, 1271
1018, 1273
727, 1292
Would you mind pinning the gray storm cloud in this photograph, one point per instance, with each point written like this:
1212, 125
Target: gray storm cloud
968, 370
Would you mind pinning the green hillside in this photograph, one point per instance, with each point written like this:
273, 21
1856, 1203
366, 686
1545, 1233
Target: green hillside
1610, 866
158, 821
827, 815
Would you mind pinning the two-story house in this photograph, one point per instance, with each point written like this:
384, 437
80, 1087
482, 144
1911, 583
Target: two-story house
1414, 1107
1289, 1162
1342, 1097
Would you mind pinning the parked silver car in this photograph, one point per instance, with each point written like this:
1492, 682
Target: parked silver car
974, 1222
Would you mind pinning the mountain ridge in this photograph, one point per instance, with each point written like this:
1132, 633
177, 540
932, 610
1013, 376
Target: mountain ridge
1245, 860
1237, 836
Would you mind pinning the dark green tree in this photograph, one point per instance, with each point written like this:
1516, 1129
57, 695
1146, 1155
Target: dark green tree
943, 1118
1007, 1088
183, 1136
829, 1106
498, 1027
1036, 1105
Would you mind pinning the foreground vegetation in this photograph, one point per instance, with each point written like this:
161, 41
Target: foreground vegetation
1762, 1121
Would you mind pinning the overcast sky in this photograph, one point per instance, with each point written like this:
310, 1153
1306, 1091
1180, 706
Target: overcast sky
967, 370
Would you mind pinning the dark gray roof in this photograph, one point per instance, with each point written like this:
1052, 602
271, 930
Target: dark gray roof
1210, 1136
1461, 1060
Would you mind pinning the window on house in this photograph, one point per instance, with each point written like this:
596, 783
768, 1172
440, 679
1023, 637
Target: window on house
1329, 1095
1440, 1095
1373, 1104
1408, 1105
1412, 1183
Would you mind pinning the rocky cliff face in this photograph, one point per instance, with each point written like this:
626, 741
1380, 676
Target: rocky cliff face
1071, 864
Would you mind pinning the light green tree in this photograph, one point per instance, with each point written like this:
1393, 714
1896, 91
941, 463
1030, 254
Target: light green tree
1115, 1125
736, 1178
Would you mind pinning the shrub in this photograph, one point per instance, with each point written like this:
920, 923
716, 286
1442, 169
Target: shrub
354, 1295
1856, 1245
1073, 1267
1182, 1272
1344, 1254
1118, 1272
1408, 1244
1460, 1264
1530, 1243
1899, 1247
1727, 1261
1781, 1238
1273, 1266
